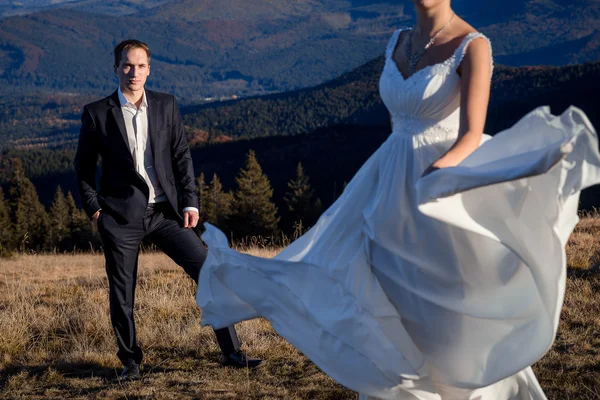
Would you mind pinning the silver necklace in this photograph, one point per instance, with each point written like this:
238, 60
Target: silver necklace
414, 58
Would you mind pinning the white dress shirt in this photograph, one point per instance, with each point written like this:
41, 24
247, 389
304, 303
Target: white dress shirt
136, 124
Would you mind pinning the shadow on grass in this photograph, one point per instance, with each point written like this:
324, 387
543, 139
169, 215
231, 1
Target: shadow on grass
70, 370
67, 371
176, 373
583, 273
178, 356
78, 370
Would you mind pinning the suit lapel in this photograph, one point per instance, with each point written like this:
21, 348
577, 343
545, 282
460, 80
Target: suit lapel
152, 121
117, 114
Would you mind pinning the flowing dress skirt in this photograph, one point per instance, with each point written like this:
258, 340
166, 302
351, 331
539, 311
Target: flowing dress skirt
442, 287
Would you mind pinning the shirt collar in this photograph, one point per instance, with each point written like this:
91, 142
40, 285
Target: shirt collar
124, 102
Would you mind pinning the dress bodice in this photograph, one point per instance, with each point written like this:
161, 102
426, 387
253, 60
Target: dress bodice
431, 96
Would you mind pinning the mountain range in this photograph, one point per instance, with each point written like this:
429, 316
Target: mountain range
351, 99
331, 128
108, 7
222, 48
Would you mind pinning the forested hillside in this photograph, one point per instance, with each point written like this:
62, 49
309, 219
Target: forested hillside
354, 99
238, 47
350, 99
331, 129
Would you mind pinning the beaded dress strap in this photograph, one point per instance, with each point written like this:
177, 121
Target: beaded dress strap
389, 51
459, 53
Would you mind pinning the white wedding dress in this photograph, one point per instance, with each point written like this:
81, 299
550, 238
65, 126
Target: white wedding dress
443, 287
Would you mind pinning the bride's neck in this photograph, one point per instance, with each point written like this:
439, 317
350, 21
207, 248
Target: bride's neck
430, 20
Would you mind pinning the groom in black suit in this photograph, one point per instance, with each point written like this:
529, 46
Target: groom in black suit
146, 190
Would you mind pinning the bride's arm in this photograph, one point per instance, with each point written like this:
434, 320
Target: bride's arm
475, 71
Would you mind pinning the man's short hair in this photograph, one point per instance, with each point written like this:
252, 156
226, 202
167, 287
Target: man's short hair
127, 45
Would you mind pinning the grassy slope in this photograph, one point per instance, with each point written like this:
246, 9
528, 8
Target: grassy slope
56, 341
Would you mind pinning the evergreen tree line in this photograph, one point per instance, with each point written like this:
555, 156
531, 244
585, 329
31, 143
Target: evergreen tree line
27, 226
249, 210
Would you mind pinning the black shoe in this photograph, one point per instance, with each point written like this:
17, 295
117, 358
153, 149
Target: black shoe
239, 359
131, 373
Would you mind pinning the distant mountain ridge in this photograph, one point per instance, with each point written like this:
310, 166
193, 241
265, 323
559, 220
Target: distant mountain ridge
234, 10
331, 128
351, 99
208, 48
108, 7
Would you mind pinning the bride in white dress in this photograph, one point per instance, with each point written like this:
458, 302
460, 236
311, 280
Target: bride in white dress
440, 271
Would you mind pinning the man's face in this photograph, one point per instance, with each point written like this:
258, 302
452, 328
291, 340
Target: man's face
133, 70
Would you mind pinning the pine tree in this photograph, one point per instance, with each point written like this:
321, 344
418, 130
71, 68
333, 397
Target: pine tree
219, 203
28, 217
299, 199
202, 193
59, 218
214, 205
80, 228
5, 227
253, 212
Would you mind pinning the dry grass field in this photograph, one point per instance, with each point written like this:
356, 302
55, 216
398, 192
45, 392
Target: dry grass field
56, 341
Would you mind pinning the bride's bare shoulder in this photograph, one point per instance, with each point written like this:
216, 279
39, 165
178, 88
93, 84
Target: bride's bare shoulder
463, 28
456, 32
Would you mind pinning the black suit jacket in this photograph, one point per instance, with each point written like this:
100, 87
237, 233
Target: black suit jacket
123, 192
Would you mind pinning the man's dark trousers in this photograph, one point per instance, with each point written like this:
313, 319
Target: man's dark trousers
121, 241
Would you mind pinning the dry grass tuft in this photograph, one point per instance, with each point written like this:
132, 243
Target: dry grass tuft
583, 249
56, 341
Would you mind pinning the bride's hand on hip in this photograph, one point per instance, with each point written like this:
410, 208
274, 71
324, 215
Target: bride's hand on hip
429, 170
442, 162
